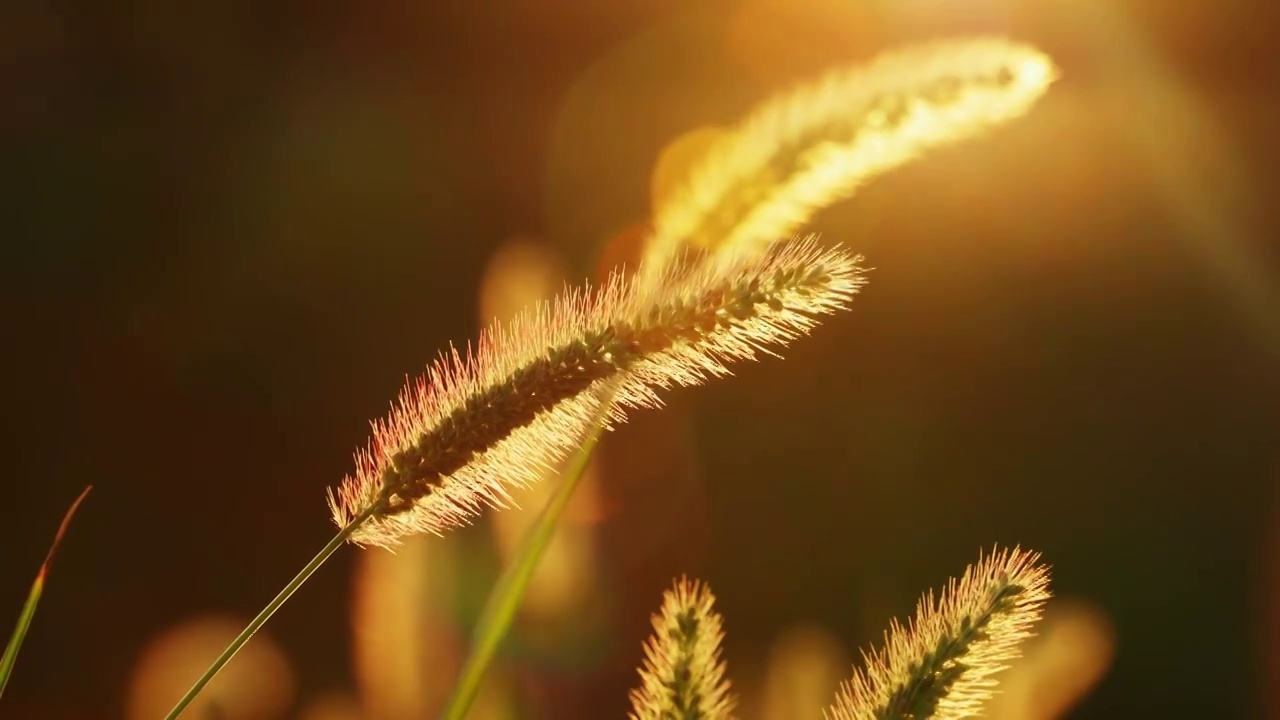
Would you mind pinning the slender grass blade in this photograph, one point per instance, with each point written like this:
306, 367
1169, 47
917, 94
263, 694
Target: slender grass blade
33, 598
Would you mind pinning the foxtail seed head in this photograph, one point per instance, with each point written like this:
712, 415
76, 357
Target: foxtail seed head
809, 147
940, 665
683, 677
481, 422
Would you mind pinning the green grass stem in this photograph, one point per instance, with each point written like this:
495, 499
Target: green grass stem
257, 623
500, 609
33, 598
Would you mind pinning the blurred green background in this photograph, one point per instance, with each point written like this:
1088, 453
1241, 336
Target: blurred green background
231, 229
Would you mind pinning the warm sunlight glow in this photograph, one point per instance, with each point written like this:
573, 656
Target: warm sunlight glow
805, 666
333, 706
1070, 655
782, 40
677, 158
257, 685
813, 145
405, 650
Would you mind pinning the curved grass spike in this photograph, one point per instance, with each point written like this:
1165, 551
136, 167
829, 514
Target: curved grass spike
807, 148
941, 664
10, 656
482, 423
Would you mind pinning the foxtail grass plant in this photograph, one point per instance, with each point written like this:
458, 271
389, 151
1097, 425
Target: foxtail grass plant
483, 422
942, 663
940, 666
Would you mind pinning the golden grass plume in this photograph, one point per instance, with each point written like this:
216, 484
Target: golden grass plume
482, 422
940, 665
811, 146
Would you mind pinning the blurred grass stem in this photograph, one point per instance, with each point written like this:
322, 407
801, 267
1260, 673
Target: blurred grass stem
500, 609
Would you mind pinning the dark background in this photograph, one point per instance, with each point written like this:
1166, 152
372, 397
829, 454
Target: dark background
229, 230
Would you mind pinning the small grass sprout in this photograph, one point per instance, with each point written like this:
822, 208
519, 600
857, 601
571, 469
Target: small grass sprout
683, 676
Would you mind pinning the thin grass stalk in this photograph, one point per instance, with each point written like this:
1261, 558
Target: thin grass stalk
500, 609
266, 613
10, 657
